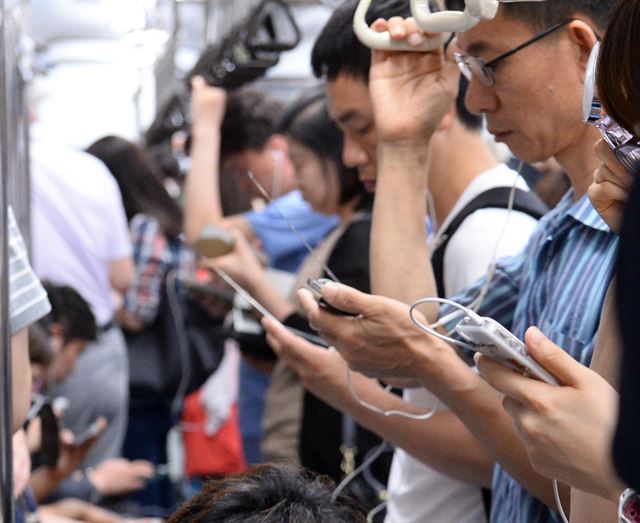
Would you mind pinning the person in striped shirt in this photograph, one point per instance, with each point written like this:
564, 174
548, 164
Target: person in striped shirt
27, 304
558, 283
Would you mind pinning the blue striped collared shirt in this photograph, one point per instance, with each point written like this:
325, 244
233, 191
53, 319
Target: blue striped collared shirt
558, 284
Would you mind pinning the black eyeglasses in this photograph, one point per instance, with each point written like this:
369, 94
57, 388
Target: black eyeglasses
485, 72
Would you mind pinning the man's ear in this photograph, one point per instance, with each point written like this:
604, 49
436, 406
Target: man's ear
55, 329
584, 38
278, 142
447, 120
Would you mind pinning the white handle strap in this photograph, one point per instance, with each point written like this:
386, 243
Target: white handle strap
383, 41
453, 21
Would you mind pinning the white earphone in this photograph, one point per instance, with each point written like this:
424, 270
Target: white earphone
278, 173
443, 22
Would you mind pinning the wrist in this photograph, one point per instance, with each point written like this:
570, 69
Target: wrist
406, 160
206, 130
442, 371
400, 148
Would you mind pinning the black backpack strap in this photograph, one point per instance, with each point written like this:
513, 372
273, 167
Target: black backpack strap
526, 202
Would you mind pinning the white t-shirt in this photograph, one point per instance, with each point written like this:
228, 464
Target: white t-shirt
78, 222
418, 493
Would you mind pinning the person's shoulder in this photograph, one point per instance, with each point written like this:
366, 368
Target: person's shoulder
356, 236
292, 201
73, 167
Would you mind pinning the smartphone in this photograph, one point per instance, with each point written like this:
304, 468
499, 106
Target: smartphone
494, 341
316, 287
213, 242
50, 447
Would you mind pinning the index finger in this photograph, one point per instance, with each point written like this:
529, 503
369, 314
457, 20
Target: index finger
296, 351
607, 156
507, 381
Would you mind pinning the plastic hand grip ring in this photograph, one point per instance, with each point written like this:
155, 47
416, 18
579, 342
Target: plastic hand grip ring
453, 21
383, 41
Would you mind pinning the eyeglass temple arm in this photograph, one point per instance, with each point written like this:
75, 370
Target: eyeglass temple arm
553, 28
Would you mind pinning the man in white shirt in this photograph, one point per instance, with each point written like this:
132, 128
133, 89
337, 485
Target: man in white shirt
81, 238
461, 169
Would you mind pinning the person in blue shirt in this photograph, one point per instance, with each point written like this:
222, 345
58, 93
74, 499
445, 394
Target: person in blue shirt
237, 134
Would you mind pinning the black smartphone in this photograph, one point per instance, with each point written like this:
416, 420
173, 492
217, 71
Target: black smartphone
49, 452
316, 287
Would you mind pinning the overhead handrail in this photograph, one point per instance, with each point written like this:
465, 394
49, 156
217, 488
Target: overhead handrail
442, 23
383, 41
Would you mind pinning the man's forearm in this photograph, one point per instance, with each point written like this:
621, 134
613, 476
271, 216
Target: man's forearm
480, 408
400, 266
202, 186
442, 442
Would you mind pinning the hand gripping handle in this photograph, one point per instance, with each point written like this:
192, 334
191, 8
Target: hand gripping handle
383, 41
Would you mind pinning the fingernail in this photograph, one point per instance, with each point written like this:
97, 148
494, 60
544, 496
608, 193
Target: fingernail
415, 39
534, 335
329, 290
476, 357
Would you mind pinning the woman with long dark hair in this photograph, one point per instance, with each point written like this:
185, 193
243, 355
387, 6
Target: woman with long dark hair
155, 223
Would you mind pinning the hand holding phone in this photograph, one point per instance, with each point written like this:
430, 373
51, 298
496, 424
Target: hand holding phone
316, 287
494, 341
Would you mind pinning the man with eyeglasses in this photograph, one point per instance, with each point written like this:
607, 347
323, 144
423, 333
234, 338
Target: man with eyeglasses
527, 69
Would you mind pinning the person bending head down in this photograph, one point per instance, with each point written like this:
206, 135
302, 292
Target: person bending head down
344, 62
532, 96
269, 494
250, 141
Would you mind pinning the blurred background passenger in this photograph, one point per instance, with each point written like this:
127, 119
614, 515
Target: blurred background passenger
233, 135
155, 223
80, 238
56, 341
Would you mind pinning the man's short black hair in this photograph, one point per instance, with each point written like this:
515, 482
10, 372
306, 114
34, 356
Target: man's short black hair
541, 15
71, 311
338, 51
251, 118
40, 351
269, 494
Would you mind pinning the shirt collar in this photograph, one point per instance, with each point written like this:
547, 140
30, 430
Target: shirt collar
583, 212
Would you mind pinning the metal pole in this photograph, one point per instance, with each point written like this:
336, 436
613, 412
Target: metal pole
6, 483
